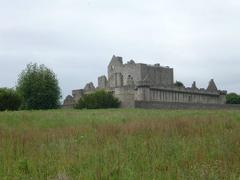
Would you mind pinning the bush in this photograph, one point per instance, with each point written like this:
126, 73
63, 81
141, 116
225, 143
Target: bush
179, 84
39, 88
233, 98
9, 99
98, 100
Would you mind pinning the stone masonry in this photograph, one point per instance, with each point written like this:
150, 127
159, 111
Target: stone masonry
136, 82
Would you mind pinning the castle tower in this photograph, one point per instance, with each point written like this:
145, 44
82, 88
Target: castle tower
194, 86
102, 82
143, 91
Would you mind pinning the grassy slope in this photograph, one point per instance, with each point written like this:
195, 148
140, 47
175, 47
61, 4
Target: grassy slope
120, 144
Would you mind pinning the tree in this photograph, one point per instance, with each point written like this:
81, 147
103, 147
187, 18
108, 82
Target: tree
233, 98
98, 100
9, 99
179, 84
39, 87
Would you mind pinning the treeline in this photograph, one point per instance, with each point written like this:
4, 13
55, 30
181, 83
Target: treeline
233, 98
38, 88
9, 99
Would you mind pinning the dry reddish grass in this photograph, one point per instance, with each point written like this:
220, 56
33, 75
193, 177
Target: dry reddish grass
195, 145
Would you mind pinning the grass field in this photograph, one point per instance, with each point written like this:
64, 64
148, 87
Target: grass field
120, 144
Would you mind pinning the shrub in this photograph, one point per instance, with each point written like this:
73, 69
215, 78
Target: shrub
39, 88
9, 99
179, 84
233, 98
98, 100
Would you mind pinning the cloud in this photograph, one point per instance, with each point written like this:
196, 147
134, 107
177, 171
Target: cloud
200, 39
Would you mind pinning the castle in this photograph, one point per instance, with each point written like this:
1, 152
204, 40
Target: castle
149, 86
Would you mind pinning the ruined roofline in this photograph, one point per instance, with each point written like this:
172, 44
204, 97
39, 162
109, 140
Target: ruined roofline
184, 89
150, 65
120, 60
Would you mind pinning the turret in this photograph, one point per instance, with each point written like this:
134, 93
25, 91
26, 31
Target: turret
194, 87
212, 86
89, 87
115, 61
102, 82
143, 91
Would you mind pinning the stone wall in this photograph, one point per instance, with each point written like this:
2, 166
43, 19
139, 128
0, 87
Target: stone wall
170, 105
179, 95
116, 67
69, 102
132, 71
102, 82
126, 96
164, 95
77, 94
155, 74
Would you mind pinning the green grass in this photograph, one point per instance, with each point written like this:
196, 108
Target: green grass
120, 144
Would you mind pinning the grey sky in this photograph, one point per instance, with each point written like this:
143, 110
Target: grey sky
77, 38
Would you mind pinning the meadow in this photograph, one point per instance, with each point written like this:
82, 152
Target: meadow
120, 144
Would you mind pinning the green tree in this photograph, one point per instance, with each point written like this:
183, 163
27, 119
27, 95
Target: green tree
179, 84
9, 99
39, 87
98, 100
233, 98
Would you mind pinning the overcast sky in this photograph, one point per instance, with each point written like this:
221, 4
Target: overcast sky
200, 39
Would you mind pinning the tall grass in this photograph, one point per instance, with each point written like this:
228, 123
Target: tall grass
120, 144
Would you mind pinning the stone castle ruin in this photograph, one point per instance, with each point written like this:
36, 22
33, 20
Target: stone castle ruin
149, 86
